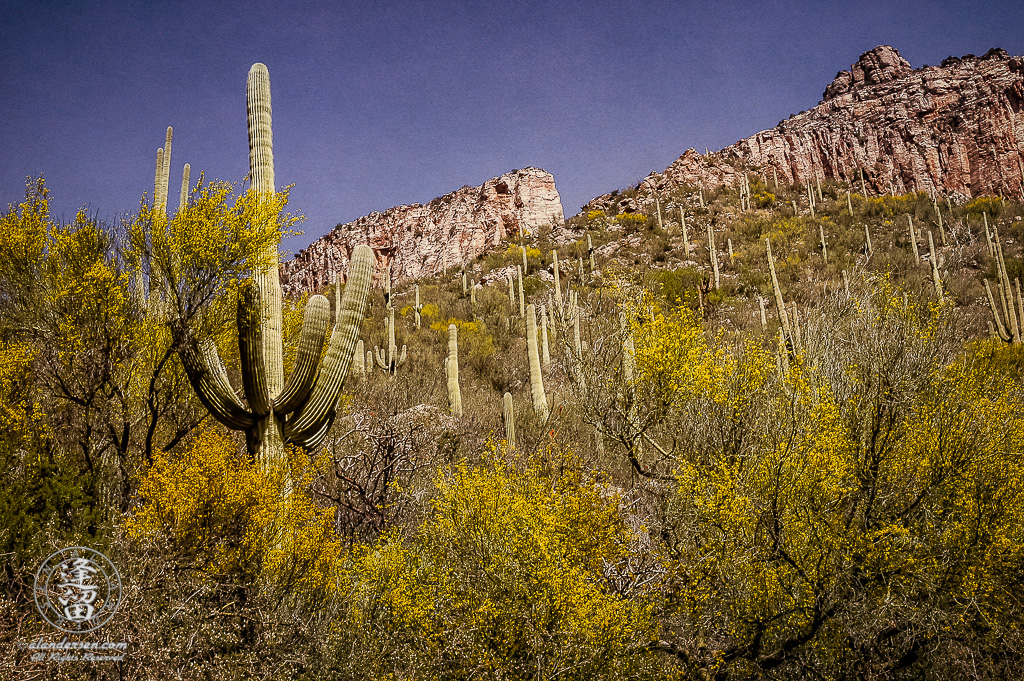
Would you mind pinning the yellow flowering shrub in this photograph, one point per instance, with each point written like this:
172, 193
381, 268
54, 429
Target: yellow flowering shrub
229, 515
504, 580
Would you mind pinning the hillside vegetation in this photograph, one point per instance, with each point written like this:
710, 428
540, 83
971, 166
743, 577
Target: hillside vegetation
721, 468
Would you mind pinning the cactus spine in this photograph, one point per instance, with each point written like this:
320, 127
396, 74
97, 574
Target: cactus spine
451, 367
508, 415
540, 400
867, 240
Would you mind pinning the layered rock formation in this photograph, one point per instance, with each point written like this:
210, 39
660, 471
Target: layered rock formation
420, 240
956, 128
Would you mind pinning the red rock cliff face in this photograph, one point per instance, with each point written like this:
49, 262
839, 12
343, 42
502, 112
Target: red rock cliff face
420, 240
956, 128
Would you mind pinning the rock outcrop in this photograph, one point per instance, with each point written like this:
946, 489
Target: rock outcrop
420, 240
956, 128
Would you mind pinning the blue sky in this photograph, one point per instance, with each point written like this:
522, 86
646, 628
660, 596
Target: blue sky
381, 104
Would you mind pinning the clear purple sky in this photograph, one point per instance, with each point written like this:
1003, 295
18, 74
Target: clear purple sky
378, 104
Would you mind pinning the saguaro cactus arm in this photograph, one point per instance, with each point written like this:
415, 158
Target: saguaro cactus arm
322, 403
208, 378
307, 357
250, 350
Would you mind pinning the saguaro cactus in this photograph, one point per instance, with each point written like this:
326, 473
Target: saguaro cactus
522, 298
388, 358
780, 304
1013, 329
933, 257
183, 198
508, 415
540, 400
558, 284
545, 349
590, 253
417, 307
913, 240
686, 235
714, 255
301, 412
451, 367
357, 359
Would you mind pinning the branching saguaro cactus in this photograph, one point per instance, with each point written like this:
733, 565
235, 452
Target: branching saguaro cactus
451, 368
389, 358
540, 400
1013, 328
301, 411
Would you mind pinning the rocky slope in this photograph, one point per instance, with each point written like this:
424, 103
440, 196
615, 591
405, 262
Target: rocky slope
420, 240
957, 128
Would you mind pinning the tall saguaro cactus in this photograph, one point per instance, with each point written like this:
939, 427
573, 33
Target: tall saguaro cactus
274, 413
540, 400
451, 367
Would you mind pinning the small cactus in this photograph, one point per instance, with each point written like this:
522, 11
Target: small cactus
686, 236
417, 308
913, 240
508, 415
357, 359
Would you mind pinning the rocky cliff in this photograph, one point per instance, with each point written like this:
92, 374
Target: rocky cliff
420, 240
956, 128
